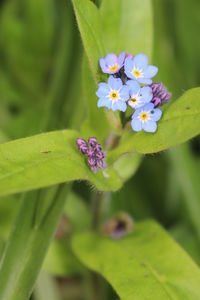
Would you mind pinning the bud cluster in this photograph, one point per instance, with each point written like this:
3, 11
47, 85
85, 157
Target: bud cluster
94, 153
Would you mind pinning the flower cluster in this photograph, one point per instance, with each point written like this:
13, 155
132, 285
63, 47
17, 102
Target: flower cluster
130, 83
93, 151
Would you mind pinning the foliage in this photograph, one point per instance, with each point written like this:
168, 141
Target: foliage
48, 81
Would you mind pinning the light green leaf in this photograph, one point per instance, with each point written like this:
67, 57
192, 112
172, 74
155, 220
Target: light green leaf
180, 122
89, 22
127, 26
146, 264
47, 159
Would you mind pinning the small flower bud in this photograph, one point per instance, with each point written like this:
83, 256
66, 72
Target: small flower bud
92, 141
100, 155
118, 226
160, 93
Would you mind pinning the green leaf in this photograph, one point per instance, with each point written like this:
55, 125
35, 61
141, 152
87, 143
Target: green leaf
28, 244
179, 123
127, 26
146, 264
47, 159
89, 22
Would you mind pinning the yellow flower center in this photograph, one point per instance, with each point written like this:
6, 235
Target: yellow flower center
133, 100
114, 68
114, 95
144, 116
136, 73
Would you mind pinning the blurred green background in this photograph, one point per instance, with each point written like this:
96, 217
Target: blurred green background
40, 90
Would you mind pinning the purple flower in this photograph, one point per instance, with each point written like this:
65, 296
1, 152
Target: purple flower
145, 118
137, 68
94, 153
138, 96
113, 94
112, 63
160, 93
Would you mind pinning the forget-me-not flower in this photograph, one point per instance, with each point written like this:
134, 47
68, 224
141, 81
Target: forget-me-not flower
138, 96
138, 69
112, 63
113, 94
145, 118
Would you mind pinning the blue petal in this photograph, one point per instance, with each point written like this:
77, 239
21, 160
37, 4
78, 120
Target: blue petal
103, 102
156, 114
124, 93
114, 83
136, 113
119, 105
103, 89
140, 61
150, 71
134, 87
121, 58
111, 59
122, 106
144, 80
149, 126
128, 65
136, 125
103, 66
148, 107
146, 94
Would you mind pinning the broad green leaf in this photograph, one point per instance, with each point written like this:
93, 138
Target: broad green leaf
48, 159
146, 264
179, 123
90, 26
127, 26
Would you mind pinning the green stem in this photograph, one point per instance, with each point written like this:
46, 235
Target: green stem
97, 208
28, 245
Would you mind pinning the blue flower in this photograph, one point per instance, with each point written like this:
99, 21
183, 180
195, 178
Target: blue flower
113, 94
138, 69
112, 63
146, 118
138, 96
